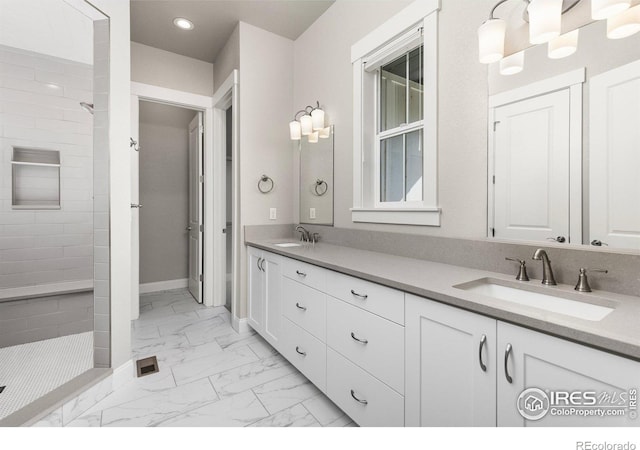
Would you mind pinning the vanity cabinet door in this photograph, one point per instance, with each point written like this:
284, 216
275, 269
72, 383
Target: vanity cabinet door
272, 298
552, 365
450, 366
255, 313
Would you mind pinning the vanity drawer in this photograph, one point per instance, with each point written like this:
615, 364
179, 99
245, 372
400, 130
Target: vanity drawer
306, 307
371, 342
304, 273
380, 300
305, 352
346, 383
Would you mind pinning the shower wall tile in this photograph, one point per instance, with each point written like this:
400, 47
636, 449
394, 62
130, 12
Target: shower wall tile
46, 247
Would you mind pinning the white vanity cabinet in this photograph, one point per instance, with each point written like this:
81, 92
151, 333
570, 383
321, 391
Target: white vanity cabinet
265, 294
457, 377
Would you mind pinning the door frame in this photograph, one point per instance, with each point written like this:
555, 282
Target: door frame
226, 96
573, 81
204, 104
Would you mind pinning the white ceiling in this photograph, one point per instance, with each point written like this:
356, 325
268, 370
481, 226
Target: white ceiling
49, 27
165, 115
215, 20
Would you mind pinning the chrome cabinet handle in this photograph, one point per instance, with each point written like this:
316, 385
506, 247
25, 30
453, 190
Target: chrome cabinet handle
303, 308
362, 341
258, 264
302, 274
559, 239
136, 205
363, 297
300, 352
507, 353
362, 402
262, 265
483, 341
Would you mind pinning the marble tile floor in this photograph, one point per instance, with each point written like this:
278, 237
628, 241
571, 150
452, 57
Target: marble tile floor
209, 376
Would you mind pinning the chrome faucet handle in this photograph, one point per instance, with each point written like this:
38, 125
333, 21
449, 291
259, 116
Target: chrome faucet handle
315, 237
522, 273
583, 281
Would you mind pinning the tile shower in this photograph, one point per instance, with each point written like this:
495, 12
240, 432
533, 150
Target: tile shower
54, 220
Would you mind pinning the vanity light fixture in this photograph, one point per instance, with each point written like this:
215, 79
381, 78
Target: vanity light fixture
624, 24
604, 9
311, 123
183, 24
564, 45
545, 20
512, 64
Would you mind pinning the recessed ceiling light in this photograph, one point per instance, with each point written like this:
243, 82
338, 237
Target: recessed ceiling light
183, 23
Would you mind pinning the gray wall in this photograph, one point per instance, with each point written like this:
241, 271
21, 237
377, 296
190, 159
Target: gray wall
164, 192
323, 70
37, 319
228, 59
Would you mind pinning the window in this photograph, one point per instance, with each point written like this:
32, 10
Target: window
395, 120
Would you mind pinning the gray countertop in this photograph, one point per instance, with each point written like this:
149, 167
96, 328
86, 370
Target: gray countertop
618, 333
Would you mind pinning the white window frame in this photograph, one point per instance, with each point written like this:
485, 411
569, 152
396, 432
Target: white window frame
394, 38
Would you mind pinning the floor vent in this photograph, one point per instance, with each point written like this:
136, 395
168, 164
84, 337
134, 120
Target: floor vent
147, 366
2, 389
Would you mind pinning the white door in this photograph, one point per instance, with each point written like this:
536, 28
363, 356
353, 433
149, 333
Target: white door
531, 168
550, 364
614, 157
195, 226
450, 366
255, 270
135, 211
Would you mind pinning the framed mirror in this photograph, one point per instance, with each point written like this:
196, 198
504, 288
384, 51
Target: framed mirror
564, 161
316, 181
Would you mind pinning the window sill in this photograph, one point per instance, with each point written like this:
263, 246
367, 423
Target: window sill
427, 217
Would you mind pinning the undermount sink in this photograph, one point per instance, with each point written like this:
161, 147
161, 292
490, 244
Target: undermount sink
559, 302
288, 245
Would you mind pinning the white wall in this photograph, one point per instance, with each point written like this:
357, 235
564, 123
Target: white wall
323, 71
157, 67
120, 174
228, 59
46, 247
266, 102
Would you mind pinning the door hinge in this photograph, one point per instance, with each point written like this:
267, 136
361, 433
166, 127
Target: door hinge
493, 232
201, 128
201, 178
200, 277
494, 179
495, 125
202, 228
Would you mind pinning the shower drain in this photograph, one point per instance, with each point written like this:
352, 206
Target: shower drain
146, 366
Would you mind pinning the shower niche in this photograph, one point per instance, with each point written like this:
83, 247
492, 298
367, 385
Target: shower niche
35, 177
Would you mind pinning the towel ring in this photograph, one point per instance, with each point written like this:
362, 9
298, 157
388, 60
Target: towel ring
265, 179
318, 187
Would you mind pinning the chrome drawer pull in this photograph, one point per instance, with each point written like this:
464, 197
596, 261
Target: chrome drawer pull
507, 353
483, 341
300, 352
304, 308
362, 402
302, 274
258, 264
362, 341
363, 297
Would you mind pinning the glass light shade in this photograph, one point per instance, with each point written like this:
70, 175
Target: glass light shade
513, 64
564, 45
317, 116
295, 131
325, 133
545, 20
306, 124
491, 35
603, 9
313, 137
624, 24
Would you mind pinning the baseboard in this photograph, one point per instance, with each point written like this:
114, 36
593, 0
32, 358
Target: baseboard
164, 285
123, 374
239, 325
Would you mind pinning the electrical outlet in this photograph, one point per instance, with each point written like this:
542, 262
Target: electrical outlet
312, 213
273, 214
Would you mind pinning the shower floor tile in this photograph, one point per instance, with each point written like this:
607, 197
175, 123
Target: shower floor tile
32, 370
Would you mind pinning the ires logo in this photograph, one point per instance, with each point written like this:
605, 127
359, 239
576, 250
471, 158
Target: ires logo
535, 404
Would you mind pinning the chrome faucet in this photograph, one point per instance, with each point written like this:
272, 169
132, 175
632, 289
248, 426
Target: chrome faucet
547, 273
305, 236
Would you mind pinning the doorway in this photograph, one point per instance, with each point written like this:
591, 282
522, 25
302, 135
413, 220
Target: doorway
170, 203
